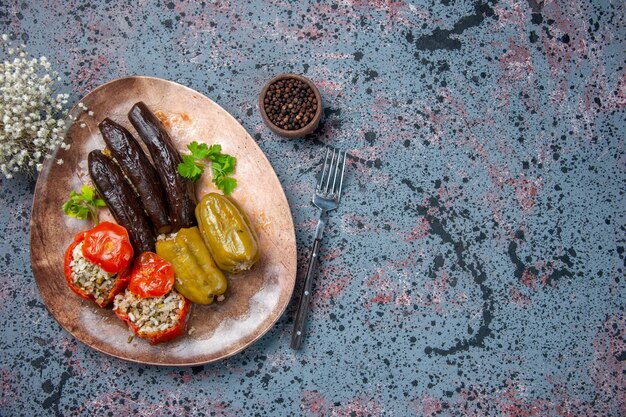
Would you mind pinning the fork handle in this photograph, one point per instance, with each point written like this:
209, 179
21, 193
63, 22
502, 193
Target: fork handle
305, 297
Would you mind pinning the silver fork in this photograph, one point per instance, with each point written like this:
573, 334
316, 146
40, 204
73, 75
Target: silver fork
326, 198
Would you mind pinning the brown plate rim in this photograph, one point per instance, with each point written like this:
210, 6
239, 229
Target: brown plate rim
49, 162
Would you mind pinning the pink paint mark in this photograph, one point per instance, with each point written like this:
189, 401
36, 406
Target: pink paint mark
16, 23
525, 191
518, 298
403, 299
428, 406
383, 288
449, 195
529, 278
67, 344
438, 289
607, 372
511, 12
379, 298
618, 100
330, 87
418, 232
403, 263
307, 225
398, 12
356, 224
511, 405
314, 402
516, 62
7, 381
331, 286
358, 407
559, 94
90, 73
121, 403
569, 19
494, 204
332, 254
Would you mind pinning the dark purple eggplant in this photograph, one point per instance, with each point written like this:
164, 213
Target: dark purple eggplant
135, 164
121, 200
179, 191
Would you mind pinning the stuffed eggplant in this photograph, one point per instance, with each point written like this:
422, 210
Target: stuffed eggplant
121, 200
138, 169
179, 191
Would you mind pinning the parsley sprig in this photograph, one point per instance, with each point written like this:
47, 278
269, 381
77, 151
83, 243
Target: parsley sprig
83, 204
222, 165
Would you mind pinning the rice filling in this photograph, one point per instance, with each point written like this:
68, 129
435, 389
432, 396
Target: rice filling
155, 314
89, 277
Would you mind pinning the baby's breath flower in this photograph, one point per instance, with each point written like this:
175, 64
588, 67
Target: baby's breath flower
31, 116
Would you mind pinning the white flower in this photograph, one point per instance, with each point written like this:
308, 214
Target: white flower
31, 115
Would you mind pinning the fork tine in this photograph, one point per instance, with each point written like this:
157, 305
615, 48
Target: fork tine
343, 170
321, 180
331, 168
334, 189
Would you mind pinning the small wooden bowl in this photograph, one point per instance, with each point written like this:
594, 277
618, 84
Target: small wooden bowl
310, 127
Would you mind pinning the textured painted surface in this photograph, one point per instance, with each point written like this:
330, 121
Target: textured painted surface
476, 265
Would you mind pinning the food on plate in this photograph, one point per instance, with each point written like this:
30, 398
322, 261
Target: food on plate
222, 165
126, 151
97, 263
197, 276
122, 200
227, 233
157, 318
179, 191
153, 295
152, 276
83, 204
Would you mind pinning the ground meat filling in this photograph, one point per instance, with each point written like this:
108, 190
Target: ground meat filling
90, 277
150, 315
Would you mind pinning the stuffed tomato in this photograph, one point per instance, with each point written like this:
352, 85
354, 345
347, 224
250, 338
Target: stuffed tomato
98, 261
150, 306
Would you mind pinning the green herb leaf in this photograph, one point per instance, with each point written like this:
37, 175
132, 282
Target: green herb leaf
199, 151
214, 151
228, 185
189, 168
83, 204
222, 165
87, 192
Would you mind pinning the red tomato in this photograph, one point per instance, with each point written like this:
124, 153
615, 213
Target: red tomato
121, 281
152, 276
108, 246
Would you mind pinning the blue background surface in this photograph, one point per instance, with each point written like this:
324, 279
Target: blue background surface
476, 264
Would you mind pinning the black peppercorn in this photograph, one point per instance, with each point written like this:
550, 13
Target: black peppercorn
290, 104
